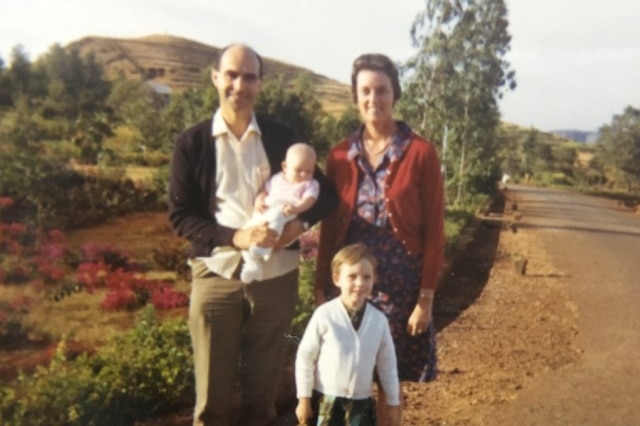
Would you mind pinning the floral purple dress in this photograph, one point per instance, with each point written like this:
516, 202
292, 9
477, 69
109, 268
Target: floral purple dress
398, 276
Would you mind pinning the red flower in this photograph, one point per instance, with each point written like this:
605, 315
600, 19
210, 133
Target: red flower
53, 251
37, 284
119, 299
6, 202
164, 297
16, 229
57, 236
21, 303
14, 247
91, 274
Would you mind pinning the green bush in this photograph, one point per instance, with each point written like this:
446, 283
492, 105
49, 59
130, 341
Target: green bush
49, 194
555, 179
306, 300
145, 371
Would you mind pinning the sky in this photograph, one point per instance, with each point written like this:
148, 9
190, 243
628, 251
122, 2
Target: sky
577, 62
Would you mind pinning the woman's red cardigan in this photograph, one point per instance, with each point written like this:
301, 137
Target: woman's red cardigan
414, 199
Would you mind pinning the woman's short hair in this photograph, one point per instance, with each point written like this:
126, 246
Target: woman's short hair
350, 255
375, 62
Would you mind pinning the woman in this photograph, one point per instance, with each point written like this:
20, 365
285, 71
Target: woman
391, 199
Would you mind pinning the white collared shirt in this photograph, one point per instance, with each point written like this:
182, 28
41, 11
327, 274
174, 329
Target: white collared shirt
242, 167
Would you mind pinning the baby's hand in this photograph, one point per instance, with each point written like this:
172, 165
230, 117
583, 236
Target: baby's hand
288, 210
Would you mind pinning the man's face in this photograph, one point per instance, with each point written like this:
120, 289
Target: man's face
238, 80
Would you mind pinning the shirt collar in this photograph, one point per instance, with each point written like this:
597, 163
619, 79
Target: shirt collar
398, 144
219, 126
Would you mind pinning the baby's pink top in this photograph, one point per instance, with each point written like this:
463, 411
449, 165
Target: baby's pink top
280, 191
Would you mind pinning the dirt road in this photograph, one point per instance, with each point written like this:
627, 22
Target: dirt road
596, 245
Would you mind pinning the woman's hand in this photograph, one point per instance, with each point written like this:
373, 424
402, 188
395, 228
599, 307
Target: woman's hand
303, 410
420, 317
393, 415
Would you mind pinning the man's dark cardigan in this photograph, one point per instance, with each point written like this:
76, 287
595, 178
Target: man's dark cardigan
192, 185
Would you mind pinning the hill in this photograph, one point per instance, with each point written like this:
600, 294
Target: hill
577, 135
520, 132
179, 63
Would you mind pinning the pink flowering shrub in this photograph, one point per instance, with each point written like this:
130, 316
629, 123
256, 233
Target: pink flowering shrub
53, 266
309, 244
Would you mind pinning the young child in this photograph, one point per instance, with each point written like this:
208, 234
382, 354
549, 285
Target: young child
285, 195
344, 342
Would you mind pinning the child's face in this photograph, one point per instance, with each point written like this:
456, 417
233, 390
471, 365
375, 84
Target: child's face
355, 283
298, 168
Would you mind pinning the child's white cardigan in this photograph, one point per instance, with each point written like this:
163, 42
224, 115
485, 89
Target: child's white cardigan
337, 360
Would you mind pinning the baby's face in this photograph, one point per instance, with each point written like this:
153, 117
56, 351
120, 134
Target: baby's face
298, 168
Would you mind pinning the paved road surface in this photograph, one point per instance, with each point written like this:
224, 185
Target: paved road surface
596, 243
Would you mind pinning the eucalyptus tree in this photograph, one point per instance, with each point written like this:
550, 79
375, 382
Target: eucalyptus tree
19, 73
619, 146
70, 86
454, 81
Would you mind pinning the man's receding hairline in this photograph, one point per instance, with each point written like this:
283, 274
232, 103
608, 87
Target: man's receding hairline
242, 46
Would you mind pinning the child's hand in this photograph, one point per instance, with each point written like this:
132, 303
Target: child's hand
393, 411
303, 410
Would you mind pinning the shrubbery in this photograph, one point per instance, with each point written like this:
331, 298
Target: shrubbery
145, 371
48, 194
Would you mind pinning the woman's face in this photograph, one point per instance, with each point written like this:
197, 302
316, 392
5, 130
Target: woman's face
375, 97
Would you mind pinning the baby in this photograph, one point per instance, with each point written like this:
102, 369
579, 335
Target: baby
285, 195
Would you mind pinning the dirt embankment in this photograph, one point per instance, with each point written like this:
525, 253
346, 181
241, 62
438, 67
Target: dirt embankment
498, 329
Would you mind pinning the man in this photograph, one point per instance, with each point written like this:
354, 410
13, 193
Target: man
217, 169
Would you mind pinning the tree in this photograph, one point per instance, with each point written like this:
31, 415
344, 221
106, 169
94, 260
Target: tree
5, 85
72, 85
186, 109
619, 145
297, 107
138, 106
529, 151
455, 80
19, 73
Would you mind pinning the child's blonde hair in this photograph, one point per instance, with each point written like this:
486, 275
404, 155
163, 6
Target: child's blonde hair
350, 255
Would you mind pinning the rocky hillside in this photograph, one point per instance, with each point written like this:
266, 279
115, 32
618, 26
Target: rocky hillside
181, 63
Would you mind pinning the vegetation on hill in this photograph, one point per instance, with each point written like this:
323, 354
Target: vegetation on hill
179, 63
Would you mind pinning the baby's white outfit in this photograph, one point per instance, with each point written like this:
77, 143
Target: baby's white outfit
280, 192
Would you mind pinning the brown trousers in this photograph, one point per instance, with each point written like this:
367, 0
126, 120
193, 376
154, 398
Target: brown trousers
237, 333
